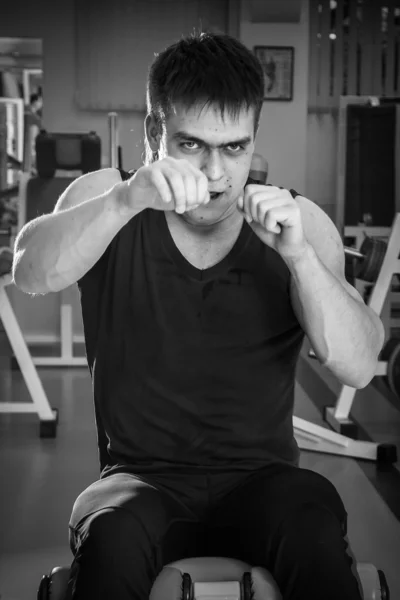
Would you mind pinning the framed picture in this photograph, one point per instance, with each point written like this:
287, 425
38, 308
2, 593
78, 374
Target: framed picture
277, 63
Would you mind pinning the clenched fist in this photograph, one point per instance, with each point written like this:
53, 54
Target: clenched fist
168, 184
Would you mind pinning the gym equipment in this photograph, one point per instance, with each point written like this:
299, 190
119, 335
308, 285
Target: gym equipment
63, 151
367, 261
391, 354
67, 151
377, 261
214, 578
368, 129
115, 150
48, 416
113, 139
342, 440
388, 366
38, 196
13, 144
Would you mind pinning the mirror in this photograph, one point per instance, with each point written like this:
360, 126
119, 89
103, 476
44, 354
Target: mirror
21, 80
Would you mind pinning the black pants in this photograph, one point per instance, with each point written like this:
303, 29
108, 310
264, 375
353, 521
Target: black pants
291, 521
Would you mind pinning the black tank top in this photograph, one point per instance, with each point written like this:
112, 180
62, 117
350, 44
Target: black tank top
191, 369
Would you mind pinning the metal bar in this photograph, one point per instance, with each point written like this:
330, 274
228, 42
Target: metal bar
378, 49
113, 135
353, 252
352, 50
355, 448
343, 403
338, 57
390, 50
19, 407
22, 354
396, 161
323, 95
314, 55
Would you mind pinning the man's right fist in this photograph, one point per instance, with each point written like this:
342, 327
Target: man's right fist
167, 184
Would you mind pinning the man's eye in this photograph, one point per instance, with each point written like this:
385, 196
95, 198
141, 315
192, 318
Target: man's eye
232, 147
184, 145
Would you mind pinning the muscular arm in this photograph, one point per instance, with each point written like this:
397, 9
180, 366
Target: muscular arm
54, 251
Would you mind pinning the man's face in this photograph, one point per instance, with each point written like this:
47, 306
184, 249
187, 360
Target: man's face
37, 105
222, 150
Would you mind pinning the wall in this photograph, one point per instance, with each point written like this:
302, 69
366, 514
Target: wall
282, 137
54, 23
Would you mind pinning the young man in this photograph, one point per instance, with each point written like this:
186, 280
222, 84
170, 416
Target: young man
197, 291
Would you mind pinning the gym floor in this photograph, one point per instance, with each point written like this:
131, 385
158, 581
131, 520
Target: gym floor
41, 478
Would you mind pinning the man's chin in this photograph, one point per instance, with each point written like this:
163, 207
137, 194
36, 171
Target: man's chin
210, 214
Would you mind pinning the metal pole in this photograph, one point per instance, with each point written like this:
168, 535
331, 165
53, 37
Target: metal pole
113, 138
353, 252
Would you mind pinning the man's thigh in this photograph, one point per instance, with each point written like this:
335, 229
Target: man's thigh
247, 519
173, 529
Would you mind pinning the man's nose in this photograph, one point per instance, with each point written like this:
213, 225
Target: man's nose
213, 167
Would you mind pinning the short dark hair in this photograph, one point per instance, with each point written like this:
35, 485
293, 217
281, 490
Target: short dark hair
34, 98
209, 68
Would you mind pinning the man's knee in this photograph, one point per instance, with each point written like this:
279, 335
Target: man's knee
311, 524
311, 551
311, 534
317, 490
109, 532
113, 557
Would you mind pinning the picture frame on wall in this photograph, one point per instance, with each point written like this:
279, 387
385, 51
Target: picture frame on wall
278, 66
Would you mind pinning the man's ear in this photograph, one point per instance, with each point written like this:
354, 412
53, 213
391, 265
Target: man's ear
152, 132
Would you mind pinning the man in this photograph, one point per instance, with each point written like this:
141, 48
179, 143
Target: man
33, 123
197, 291
36, 105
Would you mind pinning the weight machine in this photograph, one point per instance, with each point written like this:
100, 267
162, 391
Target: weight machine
340, 441
67, 356
376, 262
40, 405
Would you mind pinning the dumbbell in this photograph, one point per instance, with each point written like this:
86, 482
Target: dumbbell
368, 260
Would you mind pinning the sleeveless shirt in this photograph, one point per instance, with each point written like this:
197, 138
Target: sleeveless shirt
192, 370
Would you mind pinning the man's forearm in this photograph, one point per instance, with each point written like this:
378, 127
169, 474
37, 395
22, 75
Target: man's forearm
345, 334
55, 250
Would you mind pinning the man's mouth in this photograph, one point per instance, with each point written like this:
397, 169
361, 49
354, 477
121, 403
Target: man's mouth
215, 195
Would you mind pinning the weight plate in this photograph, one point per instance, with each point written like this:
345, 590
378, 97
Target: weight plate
374, 251
375, 260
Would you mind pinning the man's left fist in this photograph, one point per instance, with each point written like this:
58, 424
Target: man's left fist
275, 216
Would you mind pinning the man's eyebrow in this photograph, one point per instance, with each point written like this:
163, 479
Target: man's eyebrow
184, 135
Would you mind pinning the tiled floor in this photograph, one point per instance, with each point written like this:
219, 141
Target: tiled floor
41, 478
